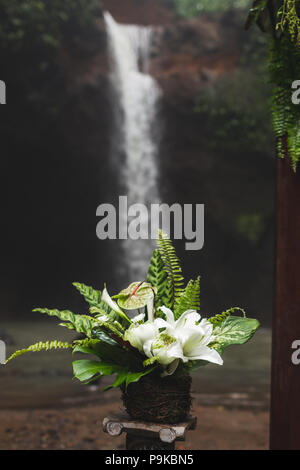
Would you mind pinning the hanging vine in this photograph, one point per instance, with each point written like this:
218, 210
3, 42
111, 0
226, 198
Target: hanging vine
280, 19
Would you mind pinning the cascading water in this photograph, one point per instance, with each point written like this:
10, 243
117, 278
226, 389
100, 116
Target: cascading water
135, 148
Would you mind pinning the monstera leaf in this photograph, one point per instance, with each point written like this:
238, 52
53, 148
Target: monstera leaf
233, 330
136, 295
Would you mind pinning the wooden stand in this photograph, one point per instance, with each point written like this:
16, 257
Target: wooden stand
147, 436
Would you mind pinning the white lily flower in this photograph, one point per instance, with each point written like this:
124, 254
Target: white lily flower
165, 348
138, 335
194, 335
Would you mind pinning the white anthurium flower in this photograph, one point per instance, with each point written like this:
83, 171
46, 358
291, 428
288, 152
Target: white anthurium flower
194, 335
105, 297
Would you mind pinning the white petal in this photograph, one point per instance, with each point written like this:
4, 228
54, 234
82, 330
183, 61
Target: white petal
138, 318
105, 297
169, 315
161, 323
190, 339
188, 319
167, 354
137, 335
204, 353
147, 348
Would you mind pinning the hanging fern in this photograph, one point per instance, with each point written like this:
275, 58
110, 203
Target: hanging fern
92, 296
41, 346
171, 265
294, 143
289, 19
282, 21
190, 299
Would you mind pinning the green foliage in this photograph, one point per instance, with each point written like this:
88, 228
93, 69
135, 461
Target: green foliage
171, 265
81, 323
282, 22
250, 226
158, 277
220, 317
284, 68
109, 327
41, 346
190, 298
32, 33
191, 8
289, 19
92, 296
229, 108
233, 330
85, 370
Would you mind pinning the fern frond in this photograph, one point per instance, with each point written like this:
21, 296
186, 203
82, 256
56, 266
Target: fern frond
190, 298
81, 323
220, 317
158, 278
294, 143
41, 346
167, 298
92, 296
171, 264
109, 327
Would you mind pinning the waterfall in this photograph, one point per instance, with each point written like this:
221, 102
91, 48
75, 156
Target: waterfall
135, 148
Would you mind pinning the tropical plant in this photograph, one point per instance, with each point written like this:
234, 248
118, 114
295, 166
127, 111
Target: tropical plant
280, 19
163, 333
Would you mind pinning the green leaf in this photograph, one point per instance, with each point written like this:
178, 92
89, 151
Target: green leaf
220, 317
158, 278
81, 323
233, 330
171, 265
86, 369
92, 296
41, 346
190, 298
135, 296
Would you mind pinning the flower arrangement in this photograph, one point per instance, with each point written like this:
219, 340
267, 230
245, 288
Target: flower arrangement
152, 350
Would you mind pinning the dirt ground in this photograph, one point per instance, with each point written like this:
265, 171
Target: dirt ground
81, 428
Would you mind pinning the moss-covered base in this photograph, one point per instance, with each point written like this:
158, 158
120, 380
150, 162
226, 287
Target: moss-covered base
157, 399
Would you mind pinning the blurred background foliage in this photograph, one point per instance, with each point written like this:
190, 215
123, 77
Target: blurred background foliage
31, 32
191, 8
